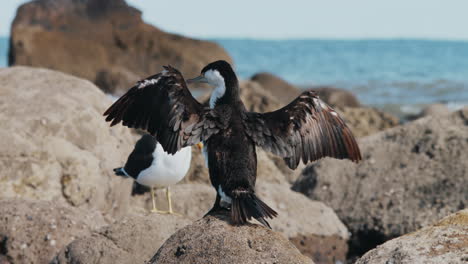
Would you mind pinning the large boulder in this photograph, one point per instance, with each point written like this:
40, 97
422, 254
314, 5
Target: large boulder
410, 176
35, 231
279, 88
444, 242
213, 240
133, 239
106, 42
55, 144
337, 97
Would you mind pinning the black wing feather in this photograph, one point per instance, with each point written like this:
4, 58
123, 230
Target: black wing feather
306, 129
163, 106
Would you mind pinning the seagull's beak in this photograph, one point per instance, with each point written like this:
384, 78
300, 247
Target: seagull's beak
199, 79
200, 146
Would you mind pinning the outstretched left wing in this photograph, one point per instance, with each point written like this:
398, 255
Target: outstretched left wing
163, 106
306, 129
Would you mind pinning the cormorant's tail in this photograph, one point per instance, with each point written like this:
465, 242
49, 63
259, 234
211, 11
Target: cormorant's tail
120, 172
246, 205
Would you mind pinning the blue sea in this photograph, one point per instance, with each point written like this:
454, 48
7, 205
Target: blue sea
398, 75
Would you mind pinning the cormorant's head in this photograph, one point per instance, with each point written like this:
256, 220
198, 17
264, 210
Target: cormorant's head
216, 74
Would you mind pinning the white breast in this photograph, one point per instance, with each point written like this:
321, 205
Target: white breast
166, 169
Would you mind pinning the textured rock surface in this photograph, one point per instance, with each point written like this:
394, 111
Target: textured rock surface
106, 42
311, 226
364, 121
278, 87
337, 97
433, 110
55, 143
444, 242
213, 240
258, 99
134, 239
35, 231
410, 176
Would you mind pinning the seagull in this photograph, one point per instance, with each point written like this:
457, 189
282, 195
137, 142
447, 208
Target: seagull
149, 165
306, 129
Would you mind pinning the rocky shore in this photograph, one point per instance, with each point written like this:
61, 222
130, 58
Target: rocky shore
60, 202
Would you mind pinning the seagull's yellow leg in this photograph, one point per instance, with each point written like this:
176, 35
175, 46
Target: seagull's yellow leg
169, 201
154, 210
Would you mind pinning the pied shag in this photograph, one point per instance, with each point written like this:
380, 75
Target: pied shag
306, 129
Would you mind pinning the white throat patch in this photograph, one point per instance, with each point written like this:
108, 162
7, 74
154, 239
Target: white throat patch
215, 79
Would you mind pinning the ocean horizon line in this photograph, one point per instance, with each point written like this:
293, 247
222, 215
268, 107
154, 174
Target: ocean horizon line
325, 39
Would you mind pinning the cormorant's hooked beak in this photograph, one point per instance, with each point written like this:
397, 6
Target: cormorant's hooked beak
199, 79
200, 146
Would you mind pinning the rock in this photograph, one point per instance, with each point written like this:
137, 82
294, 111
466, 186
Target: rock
313, 227
337, 97
434, 110
192, 200
444, 242
364, 121
410, 176
213, 240
35, 231
269, 169
106, 42
115, 80
134, 239
310, 225
279, 88
257, 99
55, 143
288, 174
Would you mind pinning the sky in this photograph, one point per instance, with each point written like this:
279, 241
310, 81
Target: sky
337, 19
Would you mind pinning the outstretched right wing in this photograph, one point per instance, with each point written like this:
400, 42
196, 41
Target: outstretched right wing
306, 129
163, 106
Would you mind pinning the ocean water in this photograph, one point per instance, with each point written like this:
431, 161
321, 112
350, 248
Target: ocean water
3, 52
403, 74
398, 75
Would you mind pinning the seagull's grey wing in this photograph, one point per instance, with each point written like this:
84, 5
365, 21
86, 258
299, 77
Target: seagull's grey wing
307, 128
163, 106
